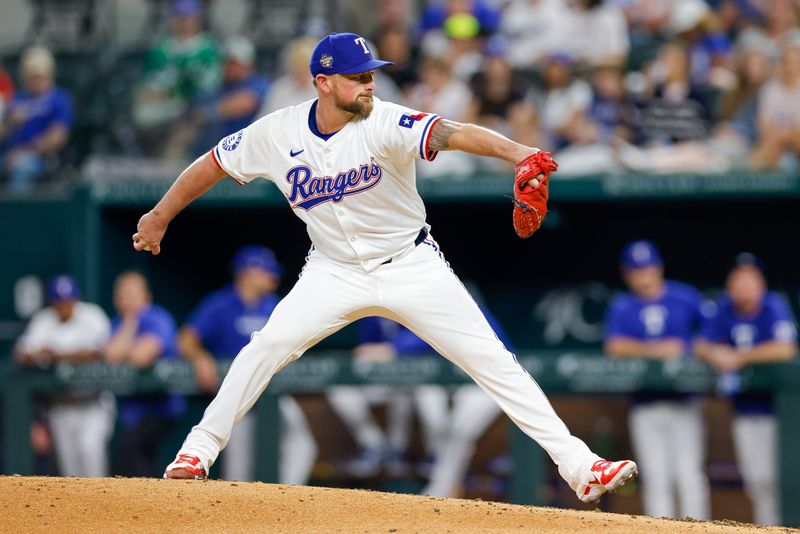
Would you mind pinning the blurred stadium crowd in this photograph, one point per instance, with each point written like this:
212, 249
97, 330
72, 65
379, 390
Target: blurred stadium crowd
609, 86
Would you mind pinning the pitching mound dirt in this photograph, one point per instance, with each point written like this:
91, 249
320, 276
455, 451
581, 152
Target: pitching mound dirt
37, 504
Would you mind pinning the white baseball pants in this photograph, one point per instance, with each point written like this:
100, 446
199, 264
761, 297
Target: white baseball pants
473, 413
755, 439
419, 291
668, 440
81, 432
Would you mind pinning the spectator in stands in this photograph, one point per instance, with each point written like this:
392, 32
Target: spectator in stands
738, 109
6, 90
294, 86
462, 45
237, 103
751, 326
368, 17
780, 24
395, 44
710, 52
536, 29
609, 122
436, 15
779, 114
612, 109
564, 104
599, 33
675, 109
179, 71
142, 333
740, 105
658, 319
217, 329
36, 124
735, 16
674, 127
69, 330
438, 91
647, 19
501, 98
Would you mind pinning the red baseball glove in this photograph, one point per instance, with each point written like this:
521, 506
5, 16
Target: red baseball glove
530, 204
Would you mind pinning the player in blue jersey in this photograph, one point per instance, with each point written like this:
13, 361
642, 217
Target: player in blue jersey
141, 333
751, 326
658, 319
218, 329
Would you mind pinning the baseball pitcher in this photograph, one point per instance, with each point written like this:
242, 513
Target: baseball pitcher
345, 163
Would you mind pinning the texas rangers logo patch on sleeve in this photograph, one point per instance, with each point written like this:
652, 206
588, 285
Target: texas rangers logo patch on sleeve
232, 141
408, 121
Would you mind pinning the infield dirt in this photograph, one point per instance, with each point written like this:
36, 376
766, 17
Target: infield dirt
40, 504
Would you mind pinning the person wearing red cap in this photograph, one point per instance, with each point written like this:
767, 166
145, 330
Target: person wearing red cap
345, 162
69, 330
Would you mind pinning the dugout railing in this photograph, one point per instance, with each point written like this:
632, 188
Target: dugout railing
562, 373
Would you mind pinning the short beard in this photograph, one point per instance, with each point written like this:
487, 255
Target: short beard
360, 110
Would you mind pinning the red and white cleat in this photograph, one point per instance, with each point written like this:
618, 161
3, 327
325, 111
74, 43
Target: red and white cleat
607, 477
186, 466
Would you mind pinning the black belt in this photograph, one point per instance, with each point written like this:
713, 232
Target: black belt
420, 238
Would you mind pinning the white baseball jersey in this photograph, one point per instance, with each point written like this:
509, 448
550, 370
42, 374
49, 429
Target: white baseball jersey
372, 158
87, 329
81, 423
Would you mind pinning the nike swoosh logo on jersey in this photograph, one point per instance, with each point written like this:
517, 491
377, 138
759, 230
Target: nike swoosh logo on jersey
292, 153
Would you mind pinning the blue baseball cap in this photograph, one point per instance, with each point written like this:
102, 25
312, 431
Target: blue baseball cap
62, 288
562, 57
255, 256
640, 254
183, 8
748, 259
343, 53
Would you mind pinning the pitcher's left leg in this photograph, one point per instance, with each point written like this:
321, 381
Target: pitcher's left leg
422, 292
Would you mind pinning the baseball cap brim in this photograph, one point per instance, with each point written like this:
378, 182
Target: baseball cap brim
371, 64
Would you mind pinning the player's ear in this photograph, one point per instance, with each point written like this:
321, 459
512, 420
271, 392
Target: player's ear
323, 83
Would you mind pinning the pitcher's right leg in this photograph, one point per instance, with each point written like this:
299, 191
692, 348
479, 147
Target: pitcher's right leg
325, 299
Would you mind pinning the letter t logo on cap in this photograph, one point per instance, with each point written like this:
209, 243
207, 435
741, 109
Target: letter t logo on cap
363, 44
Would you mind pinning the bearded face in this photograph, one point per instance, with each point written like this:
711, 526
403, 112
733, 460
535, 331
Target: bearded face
360, 106
353, 93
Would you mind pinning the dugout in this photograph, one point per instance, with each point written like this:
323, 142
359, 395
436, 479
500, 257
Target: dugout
549, 291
